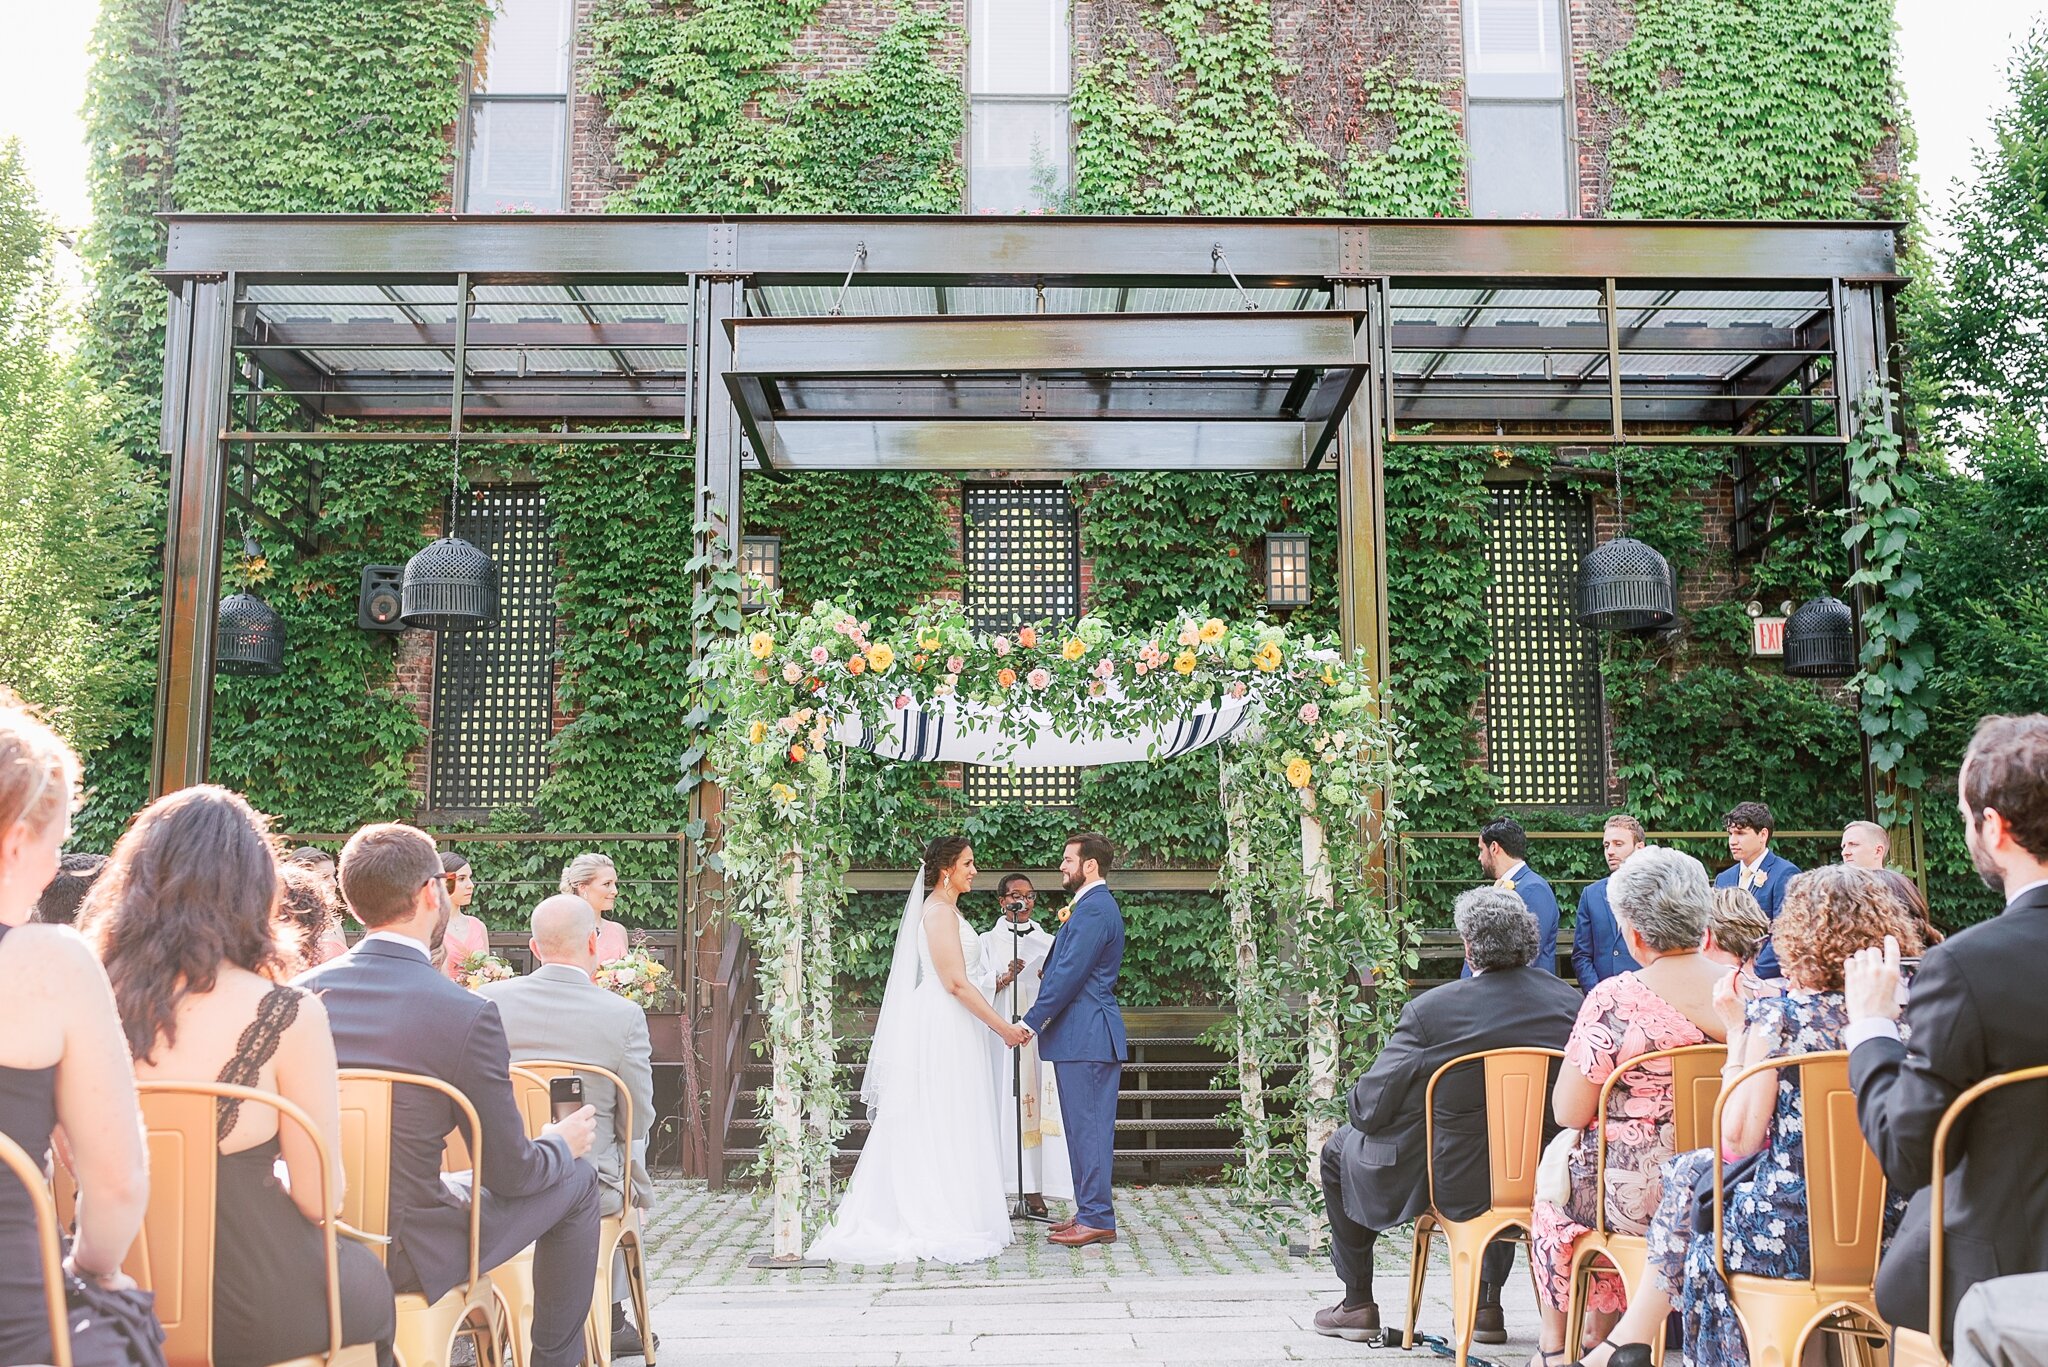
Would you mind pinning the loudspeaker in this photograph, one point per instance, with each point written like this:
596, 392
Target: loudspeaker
378, 605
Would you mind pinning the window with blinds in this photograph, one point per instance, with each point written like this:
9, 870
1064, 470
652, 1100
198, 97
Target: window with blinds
494, 690
517, 158
1019, 77
1023, 555
1516, 110
1544, 737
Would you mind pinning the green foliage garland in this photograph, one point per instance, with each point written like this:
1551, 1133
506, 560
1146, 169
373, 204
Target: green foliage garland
1764, 109
1895, 664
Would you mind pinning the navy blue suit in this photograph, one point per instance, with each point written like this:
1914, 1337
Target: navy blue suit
388, 1007
1542, 903
1769, 894
1081, 1034
1598, 952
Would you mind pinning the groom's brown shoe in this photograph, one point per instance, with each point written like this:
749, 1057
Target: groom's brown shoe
1080, 1236
1063, 1226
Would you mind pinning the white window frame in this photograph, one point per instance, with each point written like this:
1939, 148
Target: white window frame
1540, 85
1058, 99
564, 98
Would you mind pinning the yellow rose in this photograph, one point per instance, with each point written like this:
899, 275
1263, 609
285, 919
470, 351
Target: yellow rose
763, 645
929, 642
1074, 649
1329, 676
757, 733
1268, 658
1184, 663
881, 656
782, 792
1212, 631
1299, 772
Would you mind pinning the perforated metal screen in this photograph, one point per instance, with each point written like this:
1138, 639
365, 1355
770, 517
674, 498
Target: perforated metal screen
1023, 557
1544, 742
494, 696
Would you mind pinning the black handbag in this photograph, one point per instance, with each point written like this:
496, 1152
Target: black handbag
1703, 1189
129, 1335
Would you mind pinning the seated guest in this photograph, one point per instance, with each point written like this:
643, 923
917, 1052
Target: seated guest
595, 879
1373, 1169
389, 1008
1975, 1010
1736, 931
320, 864
1906, 893
1865, 844
466, 935
1503, 851
1758, 869
559, 1012
58, 906
62, 1061
1829, 913
307, 920
182, 920
1597, 951
1660, 898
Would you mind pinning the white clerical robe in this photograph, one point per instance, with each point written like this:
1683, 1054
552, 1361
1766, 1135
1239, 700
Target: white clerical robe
1045, 1149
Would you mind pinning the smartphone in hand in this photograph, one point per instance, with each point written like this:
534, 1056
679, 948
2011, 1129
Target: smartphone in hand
565, 1096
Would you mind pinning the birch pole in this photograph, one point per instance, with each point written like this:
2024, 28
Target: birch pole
786, 1025
822, 1060
1321, 1013
1251, 1079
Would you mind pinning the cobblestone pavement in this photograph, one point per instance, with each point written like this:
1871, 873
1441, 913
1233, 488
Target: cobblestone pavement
1187, 1283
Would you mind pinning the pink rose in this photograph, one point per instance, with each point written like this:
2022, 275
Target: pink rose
902, 702
1002, 645
1106, 669
1237, 690
1310, 714
791, 673
955, 664
1143, 669
819, 655
1038, 679
1095, 689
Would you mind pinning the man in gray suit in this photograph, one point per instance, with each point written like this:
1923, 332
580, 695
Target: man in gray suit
559, 1012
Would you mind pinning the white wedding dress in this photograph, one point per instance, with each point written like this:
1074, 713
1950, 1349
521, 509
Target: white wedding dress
929, 1183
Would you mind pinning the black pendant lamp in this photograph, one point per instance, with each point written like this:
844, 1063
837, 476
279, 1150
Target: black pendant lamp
248, 633
449, 585
1625, 585
1820, 640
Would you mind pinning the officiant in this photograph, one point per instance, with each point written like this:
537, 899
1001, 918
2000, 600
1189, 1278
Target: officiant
1017, 942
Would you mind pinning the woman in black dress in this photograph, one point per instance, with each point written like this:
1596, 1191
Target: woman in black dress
182, 918
62, 1059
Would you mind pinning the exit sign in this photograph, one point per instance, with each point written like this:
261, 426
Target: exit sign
1767, 636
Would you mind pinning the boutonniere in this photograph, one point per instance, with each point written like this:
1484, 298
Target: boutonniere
1760, 877
1065, 912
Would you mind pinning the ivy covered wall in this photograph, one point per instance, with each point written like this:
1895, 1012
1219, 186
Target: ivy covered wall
1180, 106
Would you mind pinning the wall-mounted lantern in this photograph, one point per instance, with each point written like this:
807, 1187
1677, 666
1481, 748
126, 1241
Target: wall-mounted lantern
1287, 581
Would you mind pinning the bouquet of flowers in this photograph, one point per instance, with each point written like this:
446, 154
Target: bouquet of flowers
481, 966
639, 977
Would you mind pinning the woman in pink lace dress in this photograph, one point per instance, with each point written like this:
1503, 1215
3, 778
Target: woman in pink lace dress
1660, 899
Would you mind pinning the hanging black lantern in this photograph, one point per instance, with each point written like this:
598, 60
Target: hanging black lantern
1625, 586
1820, 640
449, 586
250, 637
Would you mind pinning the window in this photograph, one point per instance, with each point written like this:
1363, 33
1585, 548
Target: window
518, 153
1515, 110
1023, 557
1018, 80
1544, 740
494, 693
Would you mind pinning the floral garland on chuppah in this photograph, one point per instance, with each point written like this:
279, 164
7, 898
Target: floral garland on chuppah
1313, 771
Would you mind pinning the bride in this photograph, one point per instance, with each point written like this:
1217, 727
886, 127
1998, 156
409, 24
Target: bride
929, 1183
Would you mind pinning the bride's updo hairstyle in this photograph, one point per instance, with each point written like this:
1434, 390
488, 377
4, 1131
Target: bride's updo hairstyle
941, 855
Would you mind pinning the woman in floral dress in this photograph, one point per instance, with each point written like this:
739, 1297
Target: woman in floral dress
1660, 902
1829, 914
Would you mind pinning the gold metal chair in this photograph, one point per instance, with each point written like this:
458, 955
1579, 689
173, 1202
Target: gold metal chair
173, 1258
1845, 1217
426, 1331
619, 1233
29, 1173
1517, 1087
1695, 1085
1910, 1347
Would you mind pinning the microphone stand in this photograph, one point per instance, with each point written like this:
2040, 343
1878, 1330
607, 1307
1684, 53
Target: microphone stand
1019, 1210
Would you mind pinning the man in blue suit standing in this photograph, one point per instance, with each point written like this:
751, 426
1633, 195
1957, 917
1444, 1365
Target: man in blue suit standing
1080, 1032
1598, 951
1758, 869
1503, 856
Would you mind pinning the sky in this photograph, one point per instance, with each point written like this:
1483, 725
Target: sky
1953, 54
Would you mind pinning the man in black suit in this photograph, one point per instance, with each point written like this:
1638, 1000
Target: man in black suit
389, 1007
1373, 1172
1973, 1010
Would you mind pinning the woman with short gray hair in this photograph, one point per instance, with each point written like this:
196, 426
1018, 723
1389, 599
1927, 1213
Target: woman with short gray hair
1497, 929
1660, 899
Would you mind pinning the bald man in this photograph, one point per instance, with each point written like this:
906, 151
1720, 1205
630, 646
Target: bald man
559, 1012
1865, 844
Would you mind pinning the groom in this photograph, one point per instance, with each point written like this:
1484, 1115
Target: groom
1080, 1032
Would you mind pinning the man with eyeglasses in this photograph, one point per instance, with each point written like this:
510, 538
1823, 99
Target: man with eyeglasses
1017, 941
